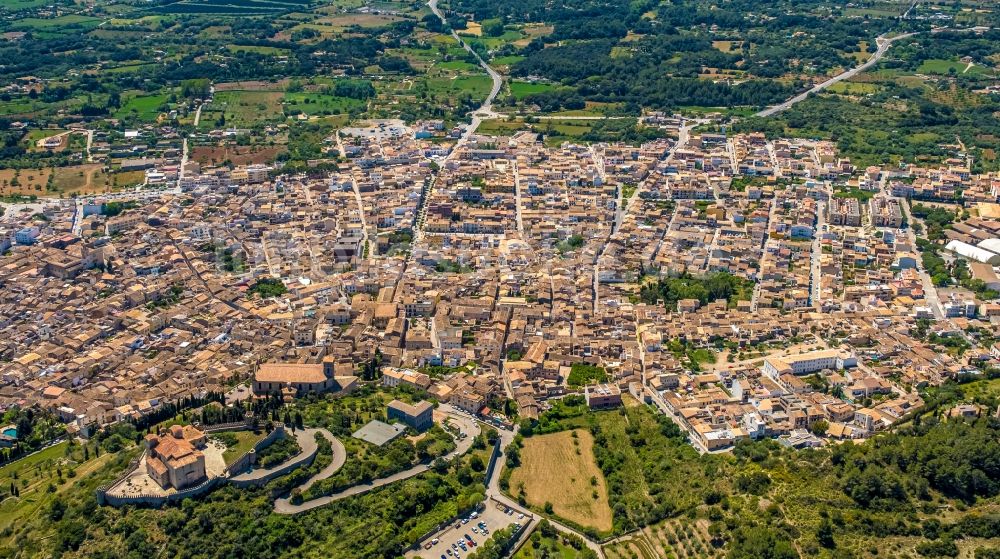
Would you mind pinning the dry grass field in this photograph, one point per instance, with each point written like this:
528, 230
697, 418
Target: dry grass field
238, 155
559, 469
88, 178
724, 46
24, 181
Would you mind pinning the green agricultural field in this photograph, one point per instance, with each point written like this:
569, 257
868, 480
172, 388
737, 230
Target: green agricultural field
477, 86
507, 60
944, 67
34, 135
862, 195
923, 137
143, 107
499, 127
521, 89
20, 105
69, 20
872, 12
224, 7
853, 88
128, 68
593, 108
314, 104
491, 43
564, 129
273, 51
243, 108
16, 5
457, 65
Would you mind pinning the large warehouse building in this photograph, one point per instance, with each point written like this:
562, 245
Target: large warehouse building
974, 253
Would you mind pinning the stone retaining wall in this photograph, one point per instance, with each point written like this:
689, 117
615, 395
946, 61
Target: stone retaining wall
250, 457
239, 465
303, 459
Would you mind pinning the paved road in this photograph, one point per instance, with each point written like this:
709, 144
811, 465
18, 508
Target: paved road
883, 43
184, 161
197, 113
339, 457
467, 425
486, 109
90, 143
930, 292
815, 258
566, 117
307, 442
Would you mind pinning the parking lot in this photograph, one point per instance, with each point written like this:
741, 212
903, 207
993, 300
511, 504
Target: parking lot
494, 518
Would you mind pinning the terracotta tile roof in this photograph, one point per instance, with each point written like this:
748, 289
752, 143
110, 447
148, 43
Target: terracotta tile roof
290, 372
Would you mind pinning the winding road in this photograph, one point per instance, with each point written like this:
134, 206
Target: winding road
883, 43
466, 423
486, 109
285, 506
308, 445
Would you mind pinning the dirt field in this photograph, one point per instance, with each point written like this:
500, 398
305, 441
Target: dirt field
472, 28
238, 155
279, 85
78, 179
553, 471
724, 46
24, 181
81, 178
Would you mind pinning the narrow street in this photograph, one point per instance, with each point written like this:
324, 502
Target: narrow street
517, 200
930, 292
815, 257
184, 162
484, 111
623, 206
